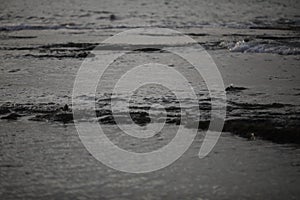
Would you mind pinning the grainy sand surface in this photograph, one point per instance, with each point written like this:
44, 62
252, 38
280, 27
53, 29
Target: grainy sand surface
255, 46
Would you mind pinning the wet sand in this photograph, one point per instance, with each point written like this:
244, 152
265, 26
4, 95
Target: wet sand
43, 158
48, 161
255, 46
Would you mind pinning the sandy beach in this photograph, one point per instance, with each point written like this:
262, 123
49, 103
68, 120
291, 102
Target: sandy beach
255, 46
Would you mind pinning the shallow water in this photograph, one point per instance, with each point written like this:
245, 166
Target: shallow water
39, 160
192, 13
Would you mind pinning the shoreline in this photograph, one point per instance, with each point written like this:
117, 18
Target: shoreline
268, 127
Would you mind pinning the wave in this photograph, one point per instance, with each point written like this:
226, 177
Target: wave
30, 27
265, 47
95, 25
180, 25
70, 26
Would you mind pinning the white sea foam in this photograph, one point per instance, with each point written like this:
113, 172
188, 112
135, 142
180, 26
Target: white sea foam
264, 47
